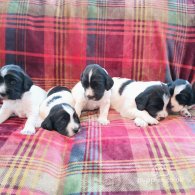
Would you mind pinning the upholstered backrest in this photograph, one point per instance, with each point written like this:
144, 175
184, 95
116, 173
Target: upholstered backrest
55, 39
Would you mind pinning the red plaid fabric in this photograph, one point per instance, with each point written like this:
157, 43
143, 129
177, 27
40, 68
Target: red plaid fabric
143, 40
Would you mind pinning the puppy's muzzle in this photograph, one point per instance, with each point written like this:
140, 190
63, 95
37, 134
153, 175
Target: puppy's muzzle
76, 130
2, 94
90, 97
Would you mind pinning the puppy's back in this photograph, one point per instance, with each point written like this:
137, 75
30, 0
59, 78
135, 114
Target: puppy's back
56, 95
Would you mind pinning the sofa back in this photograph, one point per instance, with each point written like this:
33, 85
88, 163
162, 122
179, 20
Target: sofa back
54, 40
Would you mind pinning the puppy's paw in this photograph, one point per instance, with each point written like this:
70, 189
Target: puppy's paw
103, 121
140, 123
185, 113
151, 121
28, 131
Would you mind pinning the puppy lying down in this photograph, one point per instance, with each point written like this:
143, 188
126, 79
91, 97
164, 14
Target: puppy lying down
144, 102
93, 92
20, 97
182, 96
57, 112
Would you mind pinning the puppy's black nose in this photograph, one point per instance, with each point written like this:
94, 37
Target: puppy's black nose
3, 94
161, 118
90, 97
75, 130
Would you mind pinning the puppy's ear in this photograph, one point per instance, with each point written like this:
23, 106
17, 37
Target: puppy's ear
109, 82
171, 88
193, 92
47, 123
27, 82
81, 77
141, 101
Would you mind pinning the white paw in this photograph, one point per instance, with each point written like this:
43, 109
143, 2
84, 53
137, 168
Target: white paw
185, 113
28, 131
151, 121
103, 121
140, 123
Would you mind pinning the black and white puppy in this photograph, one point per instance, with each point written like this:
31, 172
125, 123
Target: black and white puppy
182, 96
20, 97
57, 112
144, 102
93, 92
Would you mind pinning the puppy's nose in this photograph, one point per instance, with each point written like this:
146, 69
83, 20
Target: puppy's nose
3, 94
90, 97
75, 130
161, 118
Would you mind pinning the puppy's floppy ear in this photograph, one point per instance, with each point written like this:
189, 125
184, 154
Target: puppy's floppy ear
171, 88
193, 91
27, 82
109, 82
141, 101
47, 123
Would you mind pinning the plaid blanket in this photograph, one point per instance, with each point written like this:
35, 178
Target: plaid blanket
53, 40
117, 159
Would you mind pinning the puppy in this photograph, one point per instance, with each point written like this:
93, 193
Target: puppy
57, 112
182, 96
20, 97
93, 92
145, 102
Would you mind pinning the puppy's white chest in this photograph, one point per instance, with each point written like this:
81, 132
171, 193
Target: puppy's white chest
92, 105
21, 109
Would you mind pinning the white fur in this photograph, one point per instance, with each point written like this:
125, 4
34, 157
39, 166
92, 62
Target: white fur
71, 125
82, 103
26, 107
66, 97
176, 107
125, 104
163, 113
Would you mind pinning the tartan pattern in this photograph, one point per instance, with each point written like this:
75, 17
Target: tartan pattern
118, 159
53, 40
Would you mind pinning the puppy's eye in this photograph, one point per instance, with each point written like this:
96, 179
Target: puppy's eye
13, 82
76, 118
94, 85
85, 84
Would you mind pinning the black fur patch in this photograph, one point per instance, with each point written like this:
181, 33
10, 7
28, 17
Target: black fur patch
53, 99
58, 89
123, 86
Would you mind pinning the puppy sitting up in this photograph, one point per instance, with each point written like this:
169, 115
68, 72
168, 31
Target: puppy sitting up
93, 92
57, 112
182, 96
144, 102
20, 97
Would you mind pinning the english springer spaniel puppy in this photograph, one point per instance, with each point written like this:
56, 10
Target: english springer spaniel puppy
57, 112
20, 97
144, 102
182, 96
93, 92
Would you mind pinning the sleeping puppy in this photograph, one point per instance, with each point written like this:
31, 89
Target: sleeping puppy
182, 96
93, 92
144, 102
57, 112
20, 97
